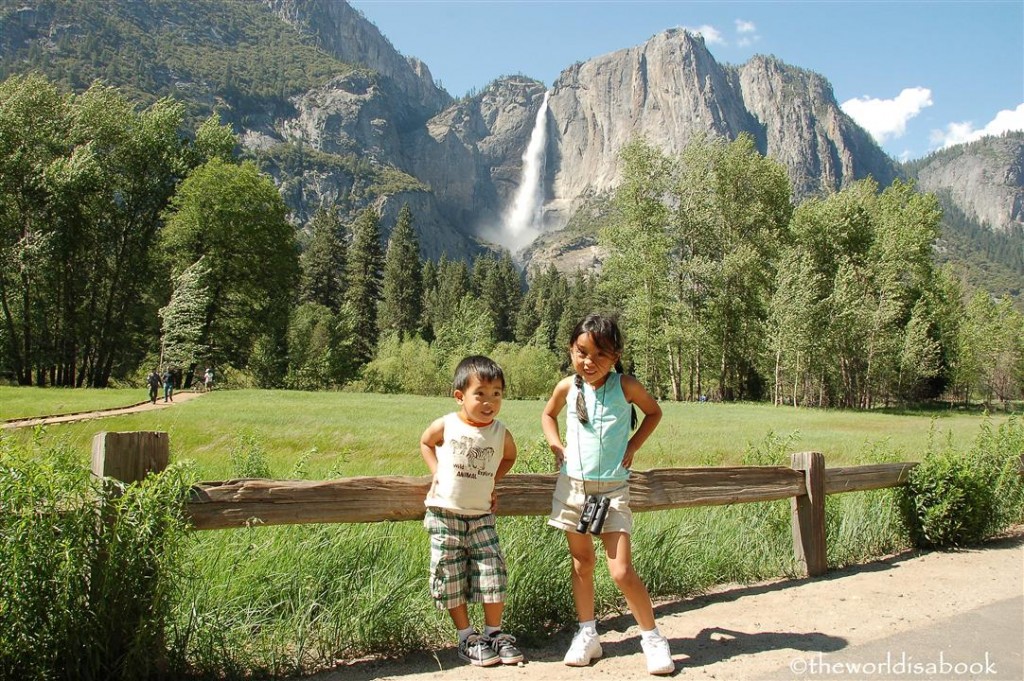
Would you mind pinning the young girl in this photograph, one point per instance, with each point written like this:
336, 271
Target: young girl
595, 460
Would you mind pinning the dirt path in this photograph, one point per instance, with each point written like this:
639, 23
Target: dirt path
179, 397
955, 615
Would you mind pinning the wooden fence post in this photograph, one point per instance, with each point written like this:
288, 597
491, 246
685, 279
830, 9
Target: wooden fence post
129, 457
808, 516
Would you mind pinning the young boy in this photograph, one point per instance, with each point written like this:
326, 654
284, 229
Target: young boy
467, 452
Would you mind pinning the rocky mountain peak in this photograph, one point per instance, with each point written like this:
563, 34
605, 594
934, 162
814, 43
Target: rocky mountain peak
346, 34
985, 179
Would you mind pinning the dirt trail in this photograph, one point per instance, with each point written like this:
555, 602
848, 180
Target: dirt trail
179, 397
956, 615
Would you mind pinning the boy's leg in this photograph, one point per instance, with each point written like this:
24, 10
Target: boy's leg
460, 616
620, 567
488, 582
492, 614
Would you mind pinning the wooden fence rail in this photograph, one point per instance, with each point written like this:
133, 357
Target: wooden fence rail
239, 503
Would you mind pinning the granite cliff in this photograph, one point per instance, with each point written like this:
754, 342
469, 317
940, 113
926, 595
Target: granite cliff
985, 179
364, 125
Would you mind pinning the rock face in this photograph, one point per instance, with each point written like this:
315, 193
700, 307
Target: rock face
385, 133
985, 179
671, 89
344, 33
805, 129
471, 153
667, 91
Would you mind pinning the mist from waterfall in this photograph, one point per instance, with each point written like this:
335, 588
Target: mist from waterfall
523, 220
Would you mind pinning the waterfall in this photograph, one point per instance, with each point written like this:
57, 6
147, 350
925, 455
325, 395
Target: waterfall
523, 220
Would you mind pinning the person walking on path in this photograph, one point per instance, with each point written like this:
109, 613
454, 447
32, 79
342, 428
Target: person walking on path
168, 385
153, 380
467, 452
592, 491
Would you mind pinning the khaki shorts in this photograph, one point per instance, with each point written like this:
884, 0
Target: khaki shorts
567, 504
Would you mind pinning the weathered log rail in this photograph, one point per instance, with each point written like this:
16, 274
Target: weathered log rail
241, 503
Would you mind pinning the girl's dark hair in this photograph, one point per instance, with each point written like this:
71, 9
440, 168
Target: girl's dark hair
484, 368
605, 332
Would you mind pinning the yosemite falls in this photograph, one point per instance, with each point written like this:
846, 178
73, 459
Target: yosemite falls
524, 218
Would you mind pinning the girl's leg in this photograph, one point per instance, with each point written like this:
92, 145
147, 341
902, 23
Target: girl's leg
620, 567
581, 547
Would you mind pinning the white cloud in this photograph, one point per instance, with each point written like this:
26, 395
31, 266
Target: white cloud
747, 32
712, 36
887, 118
959, 133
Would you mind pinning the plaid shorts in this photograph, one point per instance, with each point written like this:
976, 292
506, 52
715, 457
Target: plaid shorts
466, 562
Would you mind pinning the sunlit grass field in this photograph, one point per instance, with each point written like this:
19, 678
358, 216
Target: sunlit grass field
344, 434
16, 403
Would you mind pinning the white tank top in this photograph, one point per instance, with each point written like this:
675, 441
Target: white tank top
467, 460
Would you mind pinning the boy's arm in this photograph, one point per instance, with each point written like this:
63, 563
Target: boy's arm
504, 466
549, 419
431, 438
638, 395
507, 461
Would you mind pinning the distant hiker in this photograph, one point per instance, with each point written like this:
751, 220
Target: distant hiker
467, 452
208, 379
168, 385
154, 385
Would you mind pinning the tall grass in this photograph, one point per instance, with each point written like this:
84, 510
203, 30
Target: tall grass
87, 574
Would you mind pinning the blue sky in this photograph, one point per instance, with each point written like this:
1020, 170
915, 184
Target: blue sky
918, 75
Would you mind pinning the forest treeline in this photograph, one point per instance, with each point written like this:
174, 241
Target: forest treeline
127, 244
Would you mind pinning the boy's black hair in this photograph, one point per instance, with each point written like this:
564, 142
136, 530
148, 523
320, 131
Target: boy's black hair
484, 368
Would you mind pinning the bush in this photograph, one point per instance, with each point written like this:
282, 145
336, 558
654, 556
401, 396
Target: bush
953, 499
530, 371
405, 366
249, 458
80, 597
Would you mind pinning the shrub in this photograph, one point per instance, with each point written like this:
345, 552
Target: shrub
249, 458
87, 573
530, 371
405, 366
953, 499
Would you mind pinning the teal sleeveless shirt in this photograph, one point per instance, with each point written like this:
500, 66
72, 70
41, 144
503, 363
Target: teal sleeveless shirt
594, 450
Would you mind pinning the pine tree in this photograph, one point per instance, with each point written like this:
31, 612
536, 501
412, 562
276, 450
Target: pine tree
401, 307
497, 282
452, 283
184, 318
365, 274
323, 262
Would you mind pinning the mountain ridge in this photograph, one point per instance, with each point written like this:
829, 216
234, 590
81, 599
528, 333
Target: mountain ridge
340, 117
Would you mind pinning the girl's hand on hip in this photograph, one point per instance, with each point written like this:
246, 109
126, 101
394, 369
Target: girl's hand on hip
559, 452
627, 458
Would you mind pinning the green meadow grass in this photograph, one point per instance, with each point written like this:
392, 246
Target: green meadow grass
344, 434
279, 601
24, 402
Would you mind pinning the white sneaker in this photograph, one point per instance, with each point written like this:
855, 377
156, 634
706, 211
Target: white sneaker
659, 657
585, 647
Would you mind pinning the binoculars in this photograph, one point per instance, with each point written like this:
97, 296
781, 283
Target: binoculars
595, 509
